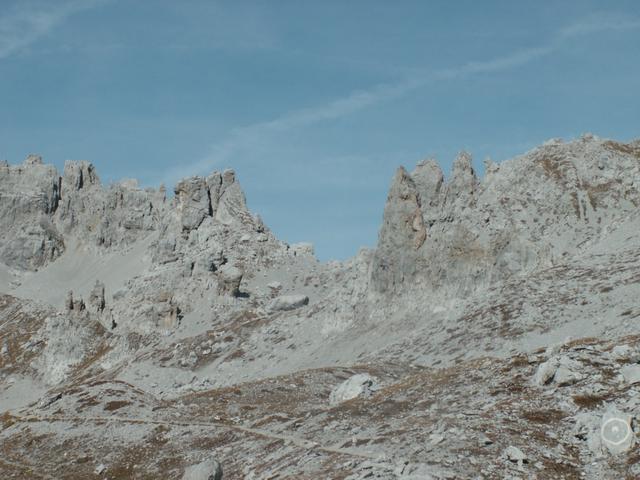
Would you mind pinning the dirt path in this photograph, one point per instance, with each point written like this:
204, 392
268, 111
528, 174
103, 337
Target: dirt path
291, 439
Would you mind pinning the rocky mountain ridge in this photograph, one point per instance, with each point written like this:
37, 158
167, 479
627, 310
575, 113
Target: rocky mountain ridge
163, 302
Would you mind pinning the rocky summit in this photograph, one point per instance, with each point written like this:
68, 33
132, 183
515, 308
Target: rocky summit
493, 333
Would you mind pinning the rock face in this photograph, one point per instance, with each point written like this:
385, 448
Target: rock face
29, 198
403, 232
460, 235
194, 203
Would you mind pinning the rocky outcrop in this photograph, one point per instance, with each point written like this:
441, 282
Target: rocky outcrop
194, 203
457, 236
96, 297
402, 233
78, 175
463, 185
229, 279
29, 196
39, 208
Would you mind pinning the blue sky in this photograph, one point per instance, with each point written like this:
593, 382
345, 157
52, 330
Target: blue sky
313, 103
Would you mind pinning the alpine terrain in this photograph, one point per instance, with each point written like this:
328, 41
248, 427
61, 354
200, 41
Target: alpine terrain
493, 332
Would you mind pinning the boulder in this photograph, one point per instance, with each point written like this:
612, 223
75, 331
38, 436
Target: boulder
545, 372
616, 431
207, 470
631, 373
288, 302
562, 371
565, 376
274, 288
229, 279
360, 385
514, 454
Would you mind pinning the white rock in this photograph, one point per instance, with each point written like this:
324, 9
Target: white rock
564, 376
229, 280
624, 352
587, 428
303, 248
514, 454
288, 302
360, 385
545, 372
616, 432
207, 470
100, 469
631, 373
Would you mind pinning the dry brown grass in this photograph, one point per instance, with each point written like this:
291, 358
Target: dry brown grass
6, 420
624, 148
116, 405
588, 401
550, 416
555, 167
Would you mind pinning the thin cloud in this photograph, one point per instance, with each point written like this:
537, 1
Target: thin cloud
28, 22
255, 135
600, 23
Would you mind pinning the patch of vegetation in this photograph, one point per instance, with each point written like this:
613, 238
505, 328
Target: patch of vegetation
589, 401
549, 416
115, 405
